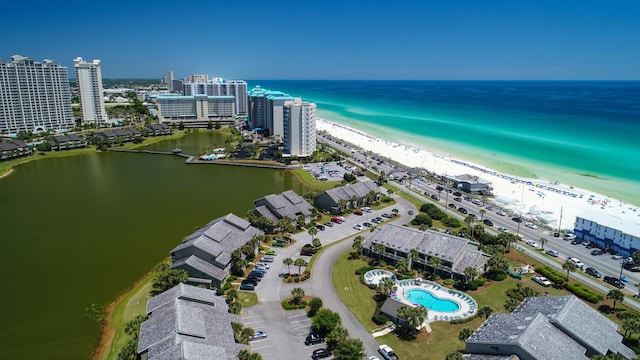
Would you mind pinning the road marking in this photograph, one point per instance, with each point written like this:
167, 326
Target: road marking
299, 315
261, 347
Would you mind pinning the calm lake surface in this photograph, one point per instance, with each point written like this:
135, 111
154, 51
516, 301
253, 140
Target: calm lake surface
82, 229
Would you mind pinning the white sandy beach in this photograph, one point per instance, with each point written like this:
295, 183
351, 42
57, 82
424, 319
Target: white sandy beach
536, 199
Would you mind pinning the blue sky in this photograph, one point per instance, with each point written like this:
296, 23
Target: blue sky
334, 39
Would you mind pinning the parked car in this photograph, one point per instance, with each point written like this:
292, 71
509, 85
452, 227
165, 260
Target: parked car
501, 213
462, 210
320, 227
367, 209
552, 253
329, 224
387, 215
596, 252
476, 202
313, 339
387, 352
367, 224
320, 354
569, 237
530, 225
435, 197
473, 216
613, 281
616, 256
257, 335
576, 262
267, 258
503, 229
358, 227
487, 222
452, 205
541, 280
576, 242
516, 219
457, 199
245, 285
593, 272
336, 220
457, 193
533, 244
358, 212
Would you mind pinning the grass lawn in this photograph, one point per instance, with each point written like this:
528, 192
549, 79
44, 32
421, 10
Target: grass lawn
132, 303
316, 185
247, 298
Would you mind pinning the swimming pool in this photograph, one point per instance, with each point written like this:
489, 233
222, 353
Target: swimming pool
430, 301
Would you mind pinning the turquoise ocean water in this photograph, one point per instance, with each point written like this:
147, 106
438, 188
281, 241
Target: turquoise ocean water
581, 133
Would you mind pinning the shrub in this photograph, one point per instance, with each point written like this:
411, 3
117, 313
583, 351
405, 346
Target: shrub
287, 306
451, 222
380, 318
421, 219
314, 305
585, 293
448, 282
364, 269
498, 276
464, 320
552, 274
232, 278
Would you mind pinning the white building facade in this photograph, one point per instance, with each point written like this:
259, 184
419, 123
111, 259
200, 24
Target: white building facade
201, 85
609, 231
91, 91
266, 108
299, 124
196, 111
34, 96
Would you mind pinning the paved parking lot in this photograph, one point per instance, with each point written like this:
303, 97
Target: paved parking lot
330, 170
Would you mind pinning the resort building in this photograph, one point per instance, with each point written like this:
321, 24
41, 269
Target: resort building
90, 86
549, 327
34, 96
65, 142
471, 184
196, 111
350, 196
185, 323
266, 110
202, 85
393, 243
13, 149
158, 129
299, 124
206, 254
609, 231
287, 204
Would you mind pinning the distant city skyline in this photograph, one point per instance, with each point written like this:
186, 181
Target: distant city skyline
357, 39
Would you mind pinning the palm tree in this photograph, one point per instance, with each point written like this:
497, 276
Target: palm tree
435, 262
357, 245
616, 296
413, 254
414, 317
380, 249
386, 285
482, 212
469, 221
371, 197
337, 335
245, 354
402, 266
470, 273
232, 295
312, 231
485, 311
354, 201
288, 261
342, 204
297, 294
570, 267
543, 241
631, 325
299, 263
316, 243
464, 334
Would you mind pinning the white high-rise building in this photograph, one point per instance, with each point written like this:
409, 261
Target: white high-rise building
90, 85
266, 108
201, 85
34, 96
196, 111
168, 79
299, 128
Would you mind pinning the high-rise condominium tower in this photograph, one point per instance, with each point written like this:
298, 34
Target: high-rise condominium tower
34, 96
299, 123
90, 85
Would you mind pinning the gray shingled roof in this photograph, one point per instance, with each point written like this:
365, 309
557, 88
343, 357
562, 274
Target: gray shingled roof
564, 324
286, 204
461, 252
203, 266
489, 357
7, 146
264, 211
359, 189
181, 326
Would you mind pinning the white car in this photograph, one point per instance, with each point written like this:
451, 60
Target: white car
501, 213
367, 209
541, 280
616, 257
533, 244
576, 262
530, 225
503, 229
553, 253
358, 227
374, 358
387, 352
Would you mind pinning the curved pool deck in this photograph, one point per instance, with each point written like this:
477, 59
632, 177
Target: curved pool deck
467, 306
375, 276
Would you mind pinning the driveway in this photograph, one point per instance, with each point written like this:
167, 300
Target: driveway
287, 329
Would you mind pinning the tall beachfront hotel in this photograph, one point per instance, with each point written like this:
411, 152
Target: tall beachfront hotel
91, 92
201, 85
299, 124
34, 96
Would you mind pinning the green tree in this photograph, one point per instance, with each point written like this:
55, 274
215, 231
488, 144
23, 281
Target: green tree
245, 354
210, 125
342, 204
300, 263
231, 295
314, 305
241, 333
316, 243
297, 294
435, 262
543, 241
413, 316
349, 349
336, 336
380, 249
631, 326
325, 321
349, 177
218, 126
454, 355
470, 274
482, 212
129, 351
95, 312
498, 263
181, 125
357, 246
615, 296
569, 267
402, 266
133, 326
301, 220
235, 307
288, 261
166, 279
485, 311
511, 304
464, 334
386, 285
413, 254
312, 231
285, 225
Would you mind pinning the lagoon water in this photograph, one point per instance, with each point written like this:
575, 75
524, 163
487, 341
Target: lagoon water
82, 229
582, 133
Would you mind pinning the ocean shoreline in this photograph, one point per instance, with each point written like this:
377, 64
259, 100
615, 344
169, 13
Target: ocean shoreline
527, 195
